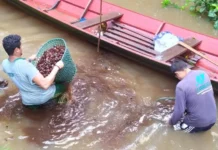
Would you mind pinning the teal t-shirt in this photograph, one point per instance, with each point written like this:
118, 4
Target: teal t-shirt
22, 72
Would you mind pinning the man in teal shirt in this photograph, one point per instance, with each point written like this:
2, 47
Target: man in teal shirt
34, 88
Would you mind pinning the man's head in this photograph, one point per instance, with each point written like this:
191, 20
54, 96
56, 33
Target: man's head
12, 45
180, 68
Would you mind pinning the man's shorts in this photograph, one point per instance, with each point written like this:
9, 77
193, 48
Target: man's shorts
190, 129
60, 89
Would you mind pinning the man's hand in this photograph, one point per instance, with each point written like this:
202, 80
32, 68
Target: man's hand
60, 64
46, 82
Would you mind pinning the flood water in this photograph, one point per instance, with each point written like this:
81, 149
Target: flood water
114, 98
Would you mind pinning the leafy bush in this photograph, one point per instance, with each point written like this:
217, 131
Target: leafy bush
207, 8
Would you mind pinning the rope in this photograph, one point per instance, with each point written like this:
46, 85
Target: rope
99, 37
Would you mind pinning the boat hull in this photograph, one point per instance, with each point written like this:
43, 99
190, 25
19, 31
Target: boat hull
156, 65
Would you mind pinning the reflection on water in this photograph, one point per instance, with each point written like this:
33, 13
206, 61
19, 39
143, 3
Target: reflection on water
114, 98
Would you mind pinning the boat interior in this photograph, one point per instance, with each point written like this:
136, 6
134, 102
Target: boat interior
113, 28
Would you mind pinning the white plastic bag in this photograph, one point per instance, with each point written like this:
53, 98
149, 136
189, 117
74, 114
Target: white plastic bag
164, 41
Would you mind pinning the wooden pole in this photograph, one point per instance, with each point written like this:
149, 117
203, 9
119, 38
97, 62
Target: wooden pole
99, 37
197, 52
160, 28
84, 12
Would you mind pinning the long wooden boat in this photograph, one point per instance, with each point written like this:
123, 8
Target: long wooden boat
125, 32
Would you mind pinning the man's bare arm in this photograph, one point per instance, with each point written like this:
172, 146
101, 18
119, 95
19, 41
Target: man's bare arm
46, 82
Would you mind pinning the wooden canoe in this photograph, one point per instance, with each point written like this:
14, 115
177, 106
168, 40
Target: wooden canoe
126, 33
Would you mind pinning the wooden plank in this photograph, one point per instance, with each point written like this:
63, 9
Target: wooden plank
135, 30
94, 21
128, 42
138, 36
123, 35
130, 47
135, 49
177, 50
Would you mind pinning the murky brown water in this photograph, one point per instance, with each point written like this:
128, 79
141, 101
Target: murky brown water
114, 98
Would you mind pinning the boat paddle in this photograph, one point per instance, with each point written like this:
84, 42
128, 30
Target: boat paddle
165, 40
196, 52
84, 12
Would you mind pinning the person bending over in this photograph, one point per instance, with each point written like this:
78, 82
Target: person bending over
195, 106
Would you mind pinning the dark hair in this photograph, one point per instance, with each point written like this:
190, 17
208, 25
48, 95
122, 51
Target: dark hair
11, 42
178, 65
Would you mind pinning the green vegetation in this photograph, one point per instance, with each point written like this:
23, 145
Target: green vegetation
208, 8
4, 148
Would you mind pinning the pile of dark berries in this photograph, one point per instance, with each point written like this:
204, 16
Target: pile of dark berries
49, 59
